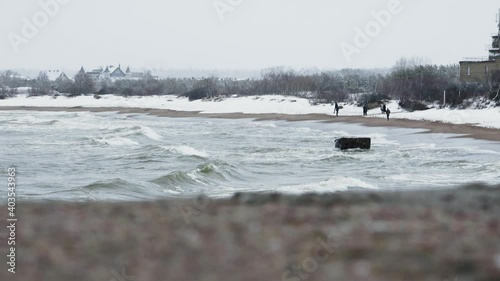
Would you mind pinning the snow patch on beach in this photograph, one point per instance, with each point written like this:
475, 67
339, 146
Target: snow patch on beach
486, 117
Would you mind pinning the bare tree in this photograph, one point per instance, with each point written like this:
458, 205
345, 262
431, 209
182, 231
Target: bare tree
42, 85
495, 82
83, 84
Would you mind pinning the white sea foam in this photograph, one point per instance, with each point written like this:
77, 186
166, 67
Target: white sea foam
150, 133
475, 150
117, 141
186, 150
429, 180
334, 184
27, 119
419, 146
263, 125
382, 139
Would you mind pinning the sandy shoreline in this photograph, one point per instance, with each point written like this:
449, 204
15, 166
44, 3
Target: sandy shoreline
372, 236
466, 130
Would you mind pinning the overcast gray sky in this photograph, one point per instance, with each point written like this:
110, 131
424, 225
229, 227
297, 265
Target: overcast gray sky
251, 34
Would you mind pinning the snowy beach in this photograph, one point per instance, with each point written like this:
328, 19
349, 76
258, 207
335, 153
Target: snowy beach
270, 104
477, 123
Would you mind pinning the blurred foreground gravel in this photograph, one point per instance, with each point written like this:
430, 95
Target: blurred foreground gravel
422, 235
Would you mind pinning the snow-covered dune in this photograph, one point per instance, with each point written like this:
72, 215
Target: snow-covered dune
487, 117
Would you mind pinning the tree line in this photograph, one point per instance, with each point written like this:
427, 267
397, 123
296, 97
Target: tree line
409, 80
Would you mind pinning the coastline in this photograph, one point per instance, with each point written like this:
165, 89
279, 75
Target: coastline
391, 236
464, 130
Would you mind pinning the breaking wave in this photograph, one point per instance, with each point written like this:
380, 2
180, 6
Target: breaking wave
135, 131
186, 151
210, 174
150, 133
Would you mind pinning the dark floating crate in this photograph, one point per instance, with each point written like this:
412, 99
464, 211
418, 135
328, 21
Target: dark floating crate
353, 143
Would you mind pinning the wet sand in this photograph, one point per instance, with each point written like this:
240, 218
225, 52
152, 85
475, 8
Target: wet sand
366, 236
465, 130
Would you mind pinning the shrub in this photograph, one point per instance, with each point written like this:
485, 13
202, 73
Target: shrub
372, 100
198, 94
7, 93
411, 105
495, 95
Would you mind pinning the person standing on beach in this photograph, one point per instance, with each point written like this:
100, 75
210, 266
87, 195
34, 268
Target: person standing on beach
388, 112
336, 109
365, 110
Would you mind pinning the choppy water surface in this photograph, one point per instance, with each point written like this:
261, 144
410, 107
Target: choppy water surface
109, 156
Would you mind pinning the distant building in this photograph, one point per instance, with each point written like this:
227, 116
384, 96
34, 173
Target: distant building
57, 76
95, 74
480, 69
114, 73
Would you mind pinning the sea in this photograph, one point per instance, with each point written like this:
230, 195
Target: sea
84, 156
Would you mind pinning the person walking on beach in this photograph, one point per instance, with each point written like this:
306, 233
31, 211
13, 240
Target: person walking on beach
336, 109
383, 108
388, 112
